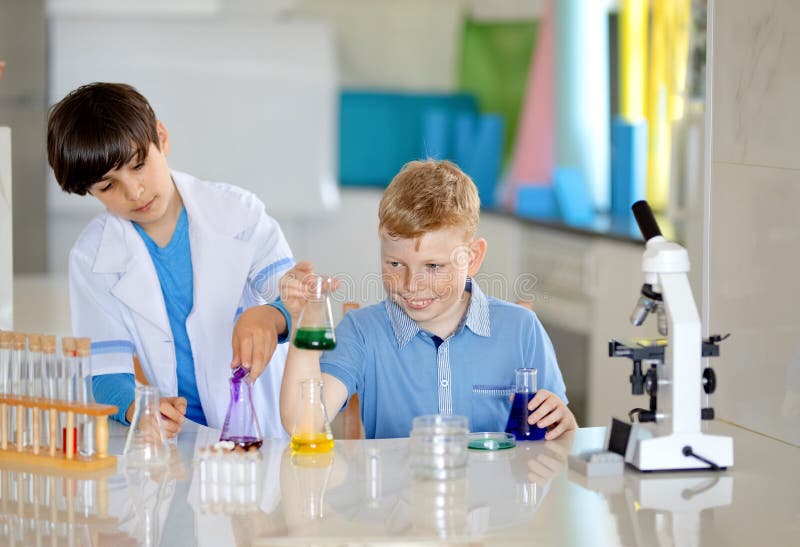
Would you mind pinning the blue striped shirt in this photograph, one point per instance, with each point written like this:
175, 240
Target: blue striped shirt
401, 371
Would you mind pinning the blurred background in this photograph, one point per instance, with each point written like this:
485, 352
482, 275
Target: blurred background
564, 112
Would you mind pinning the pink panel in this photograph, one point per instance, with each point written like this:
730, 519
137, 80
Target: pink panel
533, 159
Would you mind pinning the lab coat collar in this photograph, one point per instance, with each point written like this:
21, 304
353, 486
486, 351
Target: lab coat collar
203, 205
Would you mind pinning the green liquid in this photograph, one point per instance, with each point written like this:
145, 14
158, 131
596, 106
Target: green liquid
319, 338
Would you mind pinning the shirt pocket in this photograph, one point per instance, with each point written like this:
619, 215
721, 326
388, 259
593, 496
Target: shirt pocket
490, 406
492, 390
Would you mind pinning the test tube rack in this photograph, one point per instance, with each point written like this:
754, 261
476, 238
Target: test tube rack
54, 507
16, 451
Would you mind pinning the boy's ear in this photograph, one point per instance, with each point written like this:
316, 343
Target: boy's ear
477, 252
163, 137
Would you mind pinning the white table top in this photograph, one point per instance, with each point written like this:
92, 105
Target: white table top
367, 495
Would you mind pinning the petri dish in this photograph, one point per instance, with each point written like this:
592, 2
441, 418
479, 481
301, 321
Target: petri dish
491, 440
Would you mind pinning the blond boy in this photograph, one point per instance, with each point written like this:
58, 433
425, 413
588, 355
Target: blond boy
437, 344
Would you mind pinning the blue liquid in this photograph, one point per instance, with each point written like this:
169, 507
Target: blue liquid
518, 424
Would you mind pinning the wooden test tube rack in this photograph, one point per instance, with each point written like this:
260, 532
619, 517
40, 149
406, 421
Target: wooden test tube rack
49, 456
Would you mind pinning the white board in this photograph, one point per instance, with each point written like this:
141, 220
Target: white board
6, 234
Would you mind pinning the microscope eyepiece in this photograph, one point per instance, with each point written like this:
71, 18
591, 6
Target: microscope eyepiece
646, 220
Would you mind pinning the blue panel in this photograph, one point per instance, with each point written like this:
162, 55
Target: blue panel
479, 147
628, 166
537, 202
380, 132
573, 197
437, 135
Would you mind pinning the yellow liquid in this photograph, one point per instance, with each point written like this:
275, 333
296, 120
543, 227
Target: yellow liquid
316, 443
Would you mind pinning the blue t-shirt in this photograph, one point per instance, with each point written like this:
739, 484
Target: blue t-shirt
400, 371
173, 265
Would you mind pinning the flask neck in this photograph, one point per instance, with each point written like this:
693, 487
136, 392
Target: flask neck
311, 391
240, 389
525, 380
148, 399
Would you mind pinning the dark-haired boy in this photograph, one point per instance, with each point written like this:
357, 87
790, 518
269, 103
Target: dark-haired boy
174, 269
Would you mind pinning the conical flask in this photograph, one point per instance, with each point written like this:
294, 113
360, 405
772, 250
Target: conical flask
146, 444
315, 326
312, 430
241, 424
517, 423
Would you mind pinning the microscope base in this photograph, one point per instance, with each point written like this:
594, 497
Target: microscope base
666, 453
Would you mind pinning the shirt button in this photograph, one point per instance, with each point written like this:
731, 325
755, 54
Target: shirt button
445, 383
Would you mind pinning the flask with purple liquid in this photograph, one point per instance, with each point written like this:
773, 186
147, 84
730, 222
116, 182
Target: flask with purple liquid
241, 425
517, 423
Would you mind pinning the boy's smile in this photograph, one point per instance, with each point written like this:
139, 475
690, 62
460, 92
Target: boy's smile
426, 277
146, 207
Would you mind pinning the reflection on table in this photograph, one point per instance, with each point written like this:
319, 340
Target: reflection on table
363, 492
364, 489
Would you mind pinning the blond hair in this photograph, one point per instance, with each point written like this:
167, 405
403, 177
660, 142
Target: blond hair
426, 196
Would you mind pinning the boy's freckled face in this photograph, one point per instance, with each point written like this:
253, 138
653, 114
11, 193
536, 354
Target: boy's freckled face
427, 281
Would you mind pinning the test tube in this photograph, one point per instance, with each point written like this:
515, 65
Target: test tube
5, 385
69, 433
33, 374
49, 390
83, 388
17, 362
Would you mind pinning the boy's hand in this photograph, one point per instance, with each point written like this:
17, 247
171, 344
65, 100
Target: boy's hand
255, 337
173, 411
294, 288
297, 285
549, 412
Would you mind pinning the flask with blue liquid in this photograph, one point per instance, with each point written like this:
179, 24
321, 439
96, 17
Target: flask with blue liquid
517, 423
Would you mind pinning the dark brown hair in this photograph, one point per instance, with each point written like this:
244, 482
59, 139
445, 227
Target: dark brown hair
96, 128
426, 196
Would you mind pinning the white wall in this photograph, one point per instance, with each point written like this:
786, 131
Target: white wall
6, 239
754, 229
252, 101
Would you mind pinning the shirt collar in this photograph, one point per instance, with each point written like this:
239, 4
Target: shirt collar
476, 318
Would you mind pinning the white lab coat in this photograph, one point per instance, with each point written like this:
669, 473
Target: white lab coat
238, 255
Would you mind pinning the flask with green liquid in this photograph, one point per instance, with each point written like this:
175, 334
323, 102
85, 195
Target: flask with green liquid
315, 327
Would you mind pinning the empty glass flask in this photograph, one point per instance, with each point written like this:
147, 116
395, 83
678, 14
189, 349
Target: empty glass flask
241, 425
146, 443
315, 326
312, 429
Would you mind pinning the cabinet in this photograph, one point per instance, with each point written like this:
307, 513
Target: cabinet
583, 286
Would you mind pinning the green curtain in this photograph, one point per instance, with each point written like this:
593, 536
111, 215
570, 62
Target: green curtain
495, 58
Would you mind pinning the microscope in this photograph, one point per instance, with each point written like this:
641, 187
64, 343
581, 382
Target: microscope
668, 434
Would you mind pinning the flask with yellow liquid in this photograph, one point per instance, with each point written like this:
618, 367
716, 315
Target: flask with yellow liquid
312, 429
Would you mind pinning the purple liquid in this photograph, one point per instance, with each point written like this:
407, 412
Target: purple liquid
236, 381
239, 373
518, 424
245, 442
